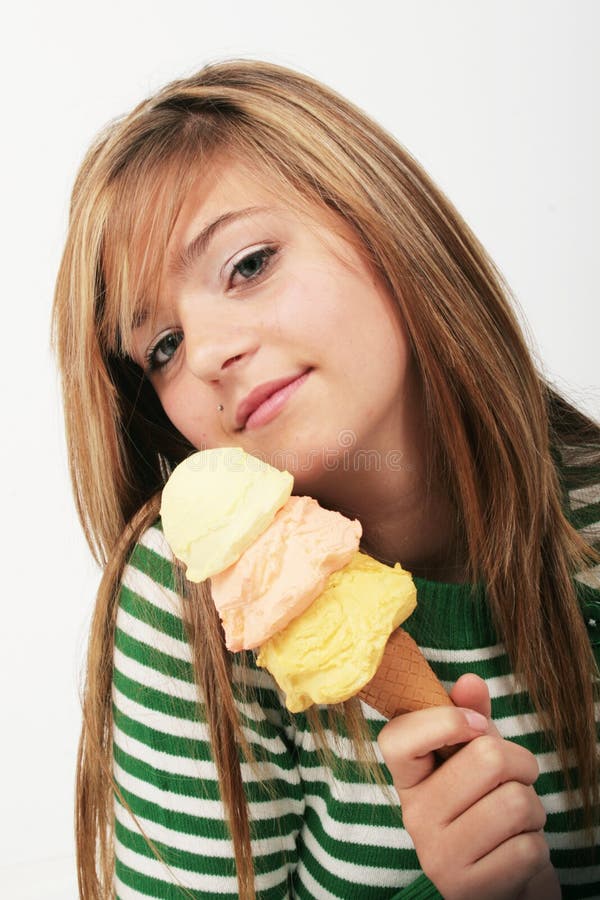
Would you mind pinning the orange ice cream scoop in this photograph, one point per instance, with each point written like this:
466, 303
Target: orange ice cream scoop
283, 571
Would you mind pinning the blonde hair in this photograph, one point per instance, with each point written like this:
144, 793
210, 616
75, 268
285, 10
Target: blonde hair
494, 421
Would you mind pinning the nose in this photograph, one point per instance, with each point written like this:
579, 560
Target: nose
209, 357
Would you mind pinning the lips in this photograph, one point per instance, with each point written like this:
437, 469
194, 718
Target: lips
261, 393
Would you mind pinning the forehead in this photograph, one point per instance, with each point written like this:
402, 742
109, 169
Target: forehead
229, 186
227, 182
230, 190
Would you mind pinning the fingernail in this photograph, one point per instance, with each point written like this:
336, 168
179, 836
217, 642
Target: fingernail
475, 720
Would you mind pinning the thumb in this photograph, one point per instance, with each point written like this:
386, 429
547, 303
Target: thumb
471, 692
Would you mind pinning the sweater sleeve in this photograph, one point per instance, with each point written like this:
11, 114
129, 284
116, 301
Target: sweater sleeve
163, 763
420, 889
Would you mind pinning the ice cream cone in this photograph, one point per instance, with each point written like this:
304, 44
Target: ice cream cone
404, 680
287, 577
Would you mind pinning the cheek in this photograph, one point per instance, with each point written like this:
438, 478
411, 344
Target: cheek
394, 343
191, 417
172, 404
319, 308
367, 318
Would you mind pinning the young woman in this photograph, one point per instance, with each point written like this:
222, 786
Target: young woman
251, 261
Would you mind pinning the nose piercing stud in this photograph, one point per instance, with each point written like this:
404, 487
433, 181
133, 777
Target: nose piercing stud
220, 407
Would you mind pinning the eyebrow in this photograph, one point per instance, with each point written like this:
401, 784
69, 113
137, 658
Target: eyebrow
198, 245
185, 259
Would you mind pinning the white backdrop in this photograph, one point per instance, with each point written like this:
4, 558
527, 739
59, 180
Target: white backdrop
498, 99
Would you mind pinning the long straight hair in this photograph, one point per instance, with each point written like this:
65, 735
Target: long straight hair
494, 422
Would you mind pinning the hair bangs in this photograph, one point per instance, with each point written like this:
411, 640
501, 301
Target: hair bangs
143, 212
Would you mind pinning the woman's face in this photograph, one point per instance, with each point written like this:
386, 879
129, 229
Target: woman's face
276, 295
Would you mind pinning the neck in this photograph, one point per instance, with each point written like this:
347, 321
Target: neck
423, 537
416, 527
405, 517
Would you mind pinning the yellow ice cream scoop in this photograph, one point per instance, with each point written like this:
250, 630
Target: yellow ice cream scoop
329, 653
216, 503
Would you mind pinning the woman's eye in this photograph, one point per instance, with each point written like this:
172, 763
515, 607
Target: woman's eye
161, 353
254, 264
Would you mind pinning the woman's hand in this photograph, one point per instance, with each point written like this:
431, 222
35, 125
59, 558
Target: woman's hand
476, 820
543, 886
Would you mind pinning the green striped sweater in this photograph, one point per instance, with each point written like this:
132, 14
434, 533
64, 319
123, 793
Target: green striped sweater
316, 832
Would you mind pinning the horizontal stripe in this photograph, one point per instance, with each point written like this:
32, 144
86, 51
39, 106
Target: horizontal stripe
558, 802
154, 539
358, 794
344, 748
565, 840
158, 596
161, 889
584, 496
125, 892
144, 611
586, 515
167, 800
162, 571
347, 871
199, 768
200, 806
199, 844
152, 637
373, 857
577, 456
177, 702
164, 677
503, 686
204, 865
591, 533
432, 654
167, 867
160, 721
192, 880
549, 762
152, 678
157, 701
369, 835
180, 725
193, 747
590, 576
263, 784
518, 726
580, 876
196, 823
312, 887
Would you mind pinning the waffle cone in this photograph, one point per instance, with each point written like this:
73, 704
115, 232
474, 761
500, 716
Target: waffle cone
404, 680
